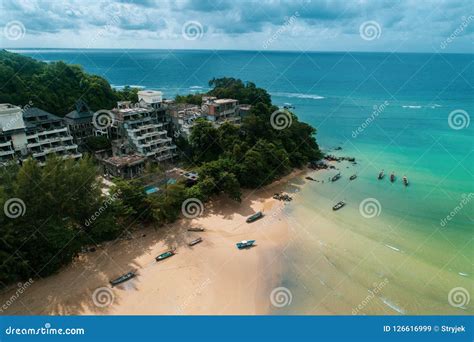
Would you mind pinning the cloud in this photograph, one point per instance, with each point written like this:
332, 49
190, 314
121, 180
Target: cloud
241, 24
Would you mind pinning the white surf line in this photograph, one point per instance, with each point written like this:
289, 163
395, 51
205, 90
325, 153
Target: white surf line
394, 248
393, 306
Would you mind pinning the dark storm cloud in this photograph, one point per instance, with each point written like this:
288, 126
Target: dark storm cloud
418, 21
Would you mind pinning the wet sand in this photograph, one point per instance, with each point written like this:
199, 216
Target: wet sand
212, 277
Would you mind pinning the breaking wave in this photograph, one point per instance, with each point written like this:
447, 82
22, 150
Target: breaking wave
299, 96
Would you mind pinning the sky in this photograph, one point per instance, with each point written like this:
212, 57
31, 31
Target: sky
298, 25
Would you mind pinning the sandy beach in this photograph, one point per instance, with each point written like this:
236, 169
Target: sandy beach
212, 277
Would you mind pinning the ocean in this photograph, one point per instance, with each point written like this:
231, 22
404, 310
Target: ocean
392, 249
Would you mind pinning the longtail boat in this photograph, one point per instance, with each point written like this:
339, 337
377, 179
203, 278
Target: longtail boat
195, 242
381, 174
336, 177
122, 278
353, 177
392, 177
245, 244
338, 205
196, 229
165, 255
405, 180
254, 217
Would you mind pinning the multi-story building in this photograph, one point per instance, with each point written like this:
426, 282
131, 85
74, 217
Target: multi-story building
12, 132
79, 122
143, 131
46, 134
244, 110
183, 117
153, 99
33, 133
219, 111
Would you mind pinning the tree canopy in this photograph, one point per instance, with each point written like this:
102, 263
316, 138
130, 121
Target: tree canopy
254, 153
55, 87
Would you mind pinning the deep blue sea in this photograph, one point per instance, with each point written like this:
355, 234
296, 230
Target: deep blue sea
407, 113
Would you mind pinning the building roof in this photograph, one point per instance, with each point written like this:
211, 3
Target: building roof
224, 101
129, 160
39, 113
35, 117
150, 92
82, 111
11, 117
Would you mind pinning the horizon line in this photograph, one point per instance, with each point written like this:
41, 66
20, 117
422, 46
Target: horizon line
241, 50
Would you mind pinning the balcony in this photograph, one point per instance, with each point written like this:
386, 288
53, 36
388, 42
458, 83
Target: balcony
49, 141
6, 153
5, 144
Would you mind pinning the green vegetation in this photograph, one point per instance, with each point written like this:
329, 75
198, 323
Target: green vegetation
59, 199
97, 143
195, 99
250, 155
64, 207
231, 88
55, 87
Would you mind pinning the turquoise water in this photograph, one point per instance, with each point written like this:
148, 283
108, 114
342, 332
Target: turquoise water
330, 269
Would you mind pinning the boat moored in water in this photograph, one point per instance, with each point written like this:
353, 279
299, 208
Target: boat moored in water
405, 180
336, 177
254, 217
122, 278
381, 174
353, 177
245, 244
392, 177
338, 205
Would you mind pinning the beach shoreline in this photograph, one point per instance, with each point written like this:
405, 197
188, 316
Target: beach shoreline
212, 277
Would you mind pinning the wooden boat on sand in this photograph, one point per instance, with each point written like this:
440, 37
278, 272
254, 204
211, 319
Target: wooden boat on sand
122, 278
195, 242
165, 255
245, 244
254, 217
195, 229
